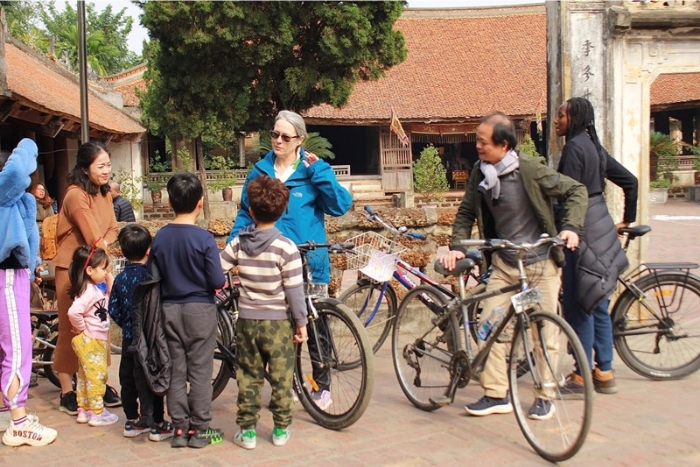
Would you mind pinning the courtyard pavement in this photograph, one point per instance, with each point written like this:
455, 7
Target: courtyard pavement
648, 423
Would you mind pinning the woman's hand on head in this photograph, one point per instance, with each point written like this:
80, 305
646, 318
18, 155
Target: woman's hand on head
310, 158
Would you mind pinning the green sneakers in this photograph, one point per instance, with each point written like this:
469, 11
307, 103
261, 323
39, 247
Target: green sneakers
280, 436
245, 439
203, 438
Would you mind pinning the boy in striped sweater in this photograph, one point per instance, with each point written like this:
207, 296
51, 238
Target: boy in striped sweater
272, 312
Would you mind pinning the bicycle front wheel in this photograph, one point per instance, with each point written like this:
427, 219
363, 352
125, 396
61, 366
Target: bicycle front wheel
224, 340
336, 337
658, 334
47, 357
554, 419
423, 342
374, 303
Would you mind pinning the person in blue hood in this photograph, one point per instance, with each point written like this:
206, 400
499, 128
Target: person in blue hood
19, 260
314, 192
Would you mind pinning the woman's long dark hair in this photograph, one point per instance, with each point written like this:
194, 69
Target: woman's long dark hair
582, 118
77, 270
87, 153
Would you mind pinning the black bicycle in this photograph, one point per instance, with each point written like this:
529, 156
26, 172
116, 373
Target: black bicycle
656, 319
433, 353
337, 343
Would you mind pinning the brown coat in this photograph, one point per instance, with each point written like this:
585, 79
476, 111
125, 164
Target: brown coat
82, 220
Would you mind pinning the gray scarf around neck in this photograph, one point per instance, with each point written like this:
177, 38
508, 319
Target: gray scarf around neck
508, 164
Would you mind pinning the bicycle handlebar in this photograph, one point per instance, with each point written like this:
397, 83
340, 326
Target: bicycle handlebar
336, 247
501, 244
402, 231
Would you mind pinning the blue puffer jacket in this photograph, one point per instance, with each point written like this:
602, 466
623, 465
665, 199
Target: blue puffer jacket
313, 192
19, 234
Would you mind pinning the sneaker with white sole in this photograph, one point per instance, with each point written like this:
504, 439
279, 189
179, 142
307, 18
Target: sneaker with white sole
542, 409
103, 419
246, 439
6, 419
489, 405
280, 436
322, 399
31, 432
83, 415
134, 428
161, 432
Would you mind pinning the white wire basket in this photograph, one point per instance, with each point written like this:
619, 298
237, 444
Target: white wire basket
374, 255
119, 265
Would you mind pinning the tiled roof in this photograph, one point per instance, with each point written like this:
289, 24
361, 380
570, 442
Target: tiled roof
675, 88
31, 79
461, 64
125, 83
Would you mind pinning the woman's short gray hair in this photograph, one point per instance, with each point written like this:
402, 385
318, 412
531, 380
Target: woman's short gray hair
295, 120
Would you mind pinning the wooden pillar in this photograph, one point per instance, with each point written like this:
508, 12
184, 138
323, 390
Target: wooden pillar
687, 128
61, 167
662, 123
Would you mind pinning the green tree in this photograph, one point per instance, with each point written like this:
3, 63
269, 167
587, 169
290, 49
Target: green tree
44, 28
220, 67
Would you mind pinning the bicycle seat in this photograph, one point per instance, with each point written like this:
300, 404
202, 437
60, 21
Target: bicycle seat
463, 265
636, 231
45, 316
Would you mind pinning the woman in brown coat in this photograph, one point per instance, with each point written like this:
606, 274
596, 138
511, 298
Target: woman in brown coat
86, 218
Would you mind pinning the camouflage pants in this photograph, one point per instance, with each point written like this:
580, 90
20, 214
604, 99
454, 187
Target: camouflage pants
264, 344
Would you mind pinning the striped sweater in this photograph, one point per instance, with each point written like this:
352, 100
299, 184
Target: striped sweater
269, 267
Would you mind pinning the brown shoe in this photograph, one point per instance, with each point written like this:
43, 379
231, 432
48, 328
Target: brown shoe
604, 381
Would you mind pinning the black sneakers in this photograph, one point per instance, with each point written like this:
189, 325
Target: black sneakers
202, 438
69, 403
111, 397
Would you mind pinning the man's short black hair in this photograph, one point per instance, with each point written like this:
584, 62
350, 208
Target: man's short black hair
134, 240
185, 191
503, 129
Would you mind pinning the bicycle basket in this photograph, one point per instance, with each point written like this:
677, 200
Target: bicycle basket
374, 255
119, 264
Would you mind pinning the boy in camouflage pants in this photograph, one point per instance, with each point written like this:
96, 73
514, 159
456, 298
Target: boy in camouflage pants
269, 266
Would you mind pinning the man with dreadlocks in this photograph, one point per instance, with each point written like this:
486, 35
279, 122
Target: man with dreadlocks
590, 274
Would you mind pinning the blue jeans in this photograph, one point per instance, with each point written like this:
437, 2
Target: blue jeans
594, 330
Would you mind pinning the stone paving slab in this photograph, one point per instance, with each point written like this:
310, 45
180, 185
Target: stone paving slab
648, 423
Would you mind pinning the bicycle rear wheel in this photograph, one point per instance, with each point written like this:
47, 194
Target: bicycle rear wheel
658, 335
224, 340
422, 350
374, 303
47, 352
554, 421
342, 339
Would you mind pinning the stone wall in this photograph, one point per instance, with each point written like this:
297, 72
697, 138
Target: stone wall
435, 223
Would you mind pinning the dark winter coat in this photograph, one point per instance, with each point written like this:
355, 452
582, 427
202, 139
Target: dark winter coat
123, 210
150, 344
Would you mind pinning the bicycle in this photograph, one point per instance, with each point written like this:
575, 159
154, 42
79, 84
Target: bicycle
342, 348
44, 338
432, 360
375, 302
656, 322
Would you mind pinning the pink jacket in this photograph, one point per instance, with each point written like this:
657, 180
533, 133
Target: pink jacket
88, 313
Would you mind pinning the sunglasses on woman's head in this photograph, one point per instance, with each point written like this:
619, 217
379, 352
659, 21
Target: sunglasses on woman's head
286, 138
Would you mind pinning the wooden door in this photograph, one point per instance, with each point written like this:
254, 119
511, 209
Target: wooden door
395, 168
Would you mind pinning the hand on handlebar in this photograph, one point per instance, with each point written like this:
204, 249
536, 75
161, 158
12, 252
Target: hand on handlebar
449, 259
570, 238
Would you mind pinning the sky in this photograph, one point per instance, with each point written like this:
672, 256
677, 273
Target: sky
139, 33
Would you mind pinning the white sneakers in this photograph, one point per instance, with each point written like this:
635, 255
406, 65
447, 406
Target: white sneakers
31, 432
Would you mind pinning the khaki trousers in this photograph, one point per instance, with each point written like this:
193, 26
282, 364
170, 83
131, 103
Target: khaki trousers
545, 276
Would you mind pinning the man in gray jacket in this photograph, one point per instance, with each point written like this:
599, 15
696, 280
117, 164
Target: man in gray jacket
511, 196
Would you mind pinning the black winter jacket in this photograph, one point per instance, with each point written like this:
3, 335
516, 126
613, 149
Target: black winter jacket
149, 343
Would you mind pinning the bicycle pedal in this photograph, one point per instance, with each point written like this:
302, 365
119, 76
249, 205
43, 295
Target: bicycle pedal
441, 400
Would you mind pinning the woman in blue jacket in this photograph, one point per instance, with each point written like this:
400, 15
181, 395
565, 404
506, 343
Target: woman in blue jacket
590, 274
313, 192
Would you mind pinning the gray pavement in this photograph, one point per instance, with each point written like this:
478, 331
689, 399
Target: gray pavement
648, 423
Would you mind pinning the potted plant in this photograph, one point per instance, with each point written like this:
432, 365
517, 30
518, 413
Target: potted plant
430, 176
663, 152
157, 165
225, 177
154, 186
